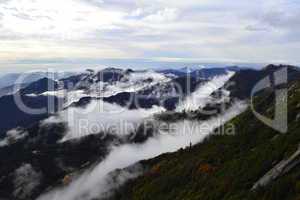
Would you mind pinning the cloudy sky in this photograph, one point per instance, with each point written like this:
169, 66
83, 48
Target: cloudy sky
45, 31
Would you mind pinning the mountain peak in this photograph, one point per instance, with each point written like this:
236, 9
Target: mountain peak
273, 67
40, 86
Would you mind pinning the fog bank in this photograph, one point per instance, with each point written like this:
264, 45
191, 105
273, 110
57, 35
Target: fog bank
201, 96
93, 183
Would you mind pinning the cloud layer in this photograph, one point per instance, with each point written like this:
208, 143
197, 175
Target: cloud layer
100, 117
95, 182
215, 30
201, 96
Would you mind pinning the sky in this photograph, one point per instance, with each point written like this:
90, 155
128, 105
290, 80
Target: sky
77, 32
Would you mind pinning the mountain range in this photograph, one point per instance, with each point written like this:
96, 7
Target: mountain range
49, 154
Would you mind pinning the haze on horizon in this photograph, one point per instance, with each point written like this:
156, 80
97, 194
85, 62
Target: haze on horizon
79, 32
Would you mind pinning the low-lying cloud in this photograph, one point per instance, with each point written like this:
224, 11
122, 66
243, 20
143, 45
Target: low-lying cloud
101, 117
201, 96
26, 179
12, 136
93, 183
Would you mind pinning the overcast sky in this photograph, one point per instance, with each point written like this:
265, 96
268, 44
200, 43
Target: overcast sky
45, 31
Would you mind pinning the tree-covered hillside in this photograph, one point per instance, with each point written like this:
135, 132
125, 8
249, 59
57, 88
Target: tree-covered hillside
228, 166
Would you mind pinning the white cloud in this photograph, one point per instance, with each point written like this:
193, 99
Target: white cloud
13, 136
201, 96
165, 15
208, 30
101, 117
26, 179
93, 184
67, 19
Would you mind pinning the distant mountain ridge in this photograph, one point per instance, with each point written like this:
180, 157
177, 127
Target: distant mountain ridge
112, 84
88, 83
256, 162
200, 72
12, 78
244, 80
207, 171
